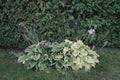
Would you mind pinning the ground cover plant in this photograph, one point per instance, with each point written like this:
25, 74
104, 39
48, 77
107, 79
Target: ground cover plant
62, 56
59, 20
107, 69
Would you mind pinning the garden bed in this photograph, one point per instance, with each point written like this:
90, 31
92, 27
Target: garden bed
107, 69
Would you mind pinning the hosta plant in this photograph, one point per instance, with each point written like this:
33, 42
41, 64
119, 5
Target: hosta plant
73, 55
66, 55
35, 56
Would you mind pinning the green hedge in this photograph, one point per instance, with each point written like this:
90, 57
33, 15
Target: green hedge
56, 20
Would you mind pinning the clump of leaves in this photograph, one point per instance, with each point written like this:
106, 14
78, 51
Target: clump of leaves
73, 55
35, 56
62, 56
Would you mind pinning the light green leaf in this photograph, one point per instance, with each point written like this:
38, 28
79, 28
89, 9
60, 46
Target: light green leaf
22, 58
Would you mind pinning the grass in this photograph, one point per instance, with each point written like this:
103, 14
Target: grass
107, 69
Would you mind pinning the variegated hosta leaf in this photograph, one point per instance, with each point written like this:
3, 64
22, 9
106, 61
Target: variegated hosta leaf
40, 50
75, 46
65, 59
96, 60
68, 41
45, 57
56, 49
83, 52
93, 65
75, 53
32, 64
35, 57
29, 51
80, 65
87, 67
75, 67
58, 57
58, 67
22, 58
65, 50
76, 60
80, 43
89, 59
41, 66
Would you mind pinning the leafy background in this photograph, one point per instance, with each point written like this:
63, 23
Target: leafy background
55, 20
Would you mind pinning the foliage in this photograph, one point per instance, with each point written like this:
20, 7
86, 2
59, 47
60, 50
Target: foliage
35, 56
14, 53
108, 68
73, 55
63, 56
55, 20
29, 35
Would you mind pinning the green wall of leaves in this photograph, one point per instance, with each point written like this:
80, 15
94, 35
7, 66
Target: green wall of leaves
56, 20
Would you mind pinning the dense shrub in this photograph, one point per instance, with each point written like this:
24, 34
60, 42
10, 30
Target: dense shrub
56, 20
66, 55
